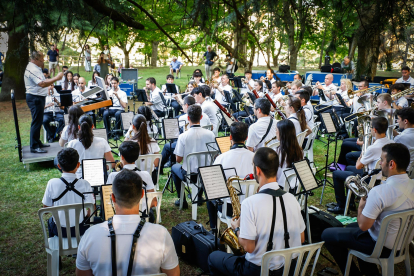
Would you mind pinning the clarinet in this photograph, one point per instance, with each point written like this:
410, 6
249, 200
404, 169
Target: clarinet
225, 111
275, 107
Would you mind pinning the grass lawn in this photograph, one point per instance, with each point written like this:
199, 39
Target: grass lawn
21, 241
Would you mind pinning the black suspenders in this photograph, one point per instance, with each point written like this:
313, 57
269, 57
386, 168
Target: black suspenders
69, 187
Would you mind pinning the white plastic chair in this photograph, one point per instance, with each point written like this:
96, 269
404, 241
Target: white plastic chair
209, 127
146, 163
274, 145
150, 197
370, 185
58, 246
311, 249
301, 137
398, 254
308, 151
202, 158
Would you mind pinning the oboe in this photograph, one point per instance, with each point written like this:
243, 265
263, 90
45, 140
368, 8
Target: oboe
283, 116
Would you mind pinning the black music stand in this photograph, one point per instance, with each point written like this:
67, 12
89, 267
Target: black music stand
171, 88
268, 84
171, 130
66, 98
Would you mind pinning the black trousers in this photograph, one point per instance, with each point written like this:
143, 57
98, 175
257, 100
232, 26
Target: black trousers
212, 214
225, 264
348, 145
54, 232
52, 131
111, 113
338, 240
339, 186
159, 113
36, 105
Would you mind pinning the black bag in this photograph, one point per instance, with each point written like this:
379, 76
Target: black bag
193, 243
336, 70
284, 68
319, 221
326, 68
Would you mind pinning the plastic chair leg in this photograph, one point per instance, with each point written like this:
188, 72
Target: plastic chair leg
387, 270
348, 199
310, 154
407, 264
348, 264
53, 263
194, 194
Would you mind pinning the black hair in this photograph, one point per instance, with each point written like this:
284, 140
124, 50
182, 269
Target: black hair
247, 72
152, 80
300, 113
146, 111
289, 147
399, 153
397, 86
198, 71
207, 90
365, 83
271, 70
129, 150
169, 76
260, 84
75, 111
406, 113
267, 160
279, 84
406, 68
307, 89
197, 74
127, 189
303, 95
68, 158
93, 76
194, 113
216, 69
142, 137
300, 77
85, 133
76, 75
66, 82
238, 131
263, 104
65, 67
189, 100
197, 90
115, 79
380, 124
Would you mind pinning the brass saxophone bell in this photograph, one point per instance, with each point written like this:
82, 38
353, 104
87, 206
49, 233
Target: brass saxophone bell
229, 237
118, 166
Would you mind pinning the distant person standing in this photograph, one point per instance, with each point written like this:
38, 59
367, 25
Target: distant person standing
87, 58
175, 66
1, 61
53, 59
36, 91
106, 51
348, 66
103, 65
57, 66
210, 57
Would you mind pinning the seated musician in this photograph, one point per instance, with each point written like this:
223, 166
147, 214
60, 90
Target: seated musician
169, 97
175, 67
129, 153
198, 78
238, 157
53, 112
168, 150
295, 113
406, 78
276, 92
219, 91
120, 101
304, 98
254, 227
395, 194
93, 82
216, 78
208, 107
190, 86
346, 85
248, 82
152, 129
369, 159
70, 131
328, 88
401, 102
57, 194
155, 100
405, 120
384, 101
78, 97
270, 76
89, 146
207, 91
193, 140
155, 251
297, 77
265, 127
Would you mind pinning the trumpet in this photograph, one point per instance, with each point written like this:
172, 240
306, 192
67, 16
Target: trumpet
360, 187
402, 93
351, 94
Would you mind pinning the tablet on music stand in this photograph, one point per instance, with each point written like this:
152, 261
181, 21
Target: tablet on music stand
58, 88
341, 100
94, 170
322, 95
329, 123
214, 182
227, 96
171, 128
237, 96
66, 98
171, 88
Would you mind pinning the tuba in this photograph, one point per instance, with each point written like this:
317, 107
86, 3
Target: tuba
388, 114
229, 237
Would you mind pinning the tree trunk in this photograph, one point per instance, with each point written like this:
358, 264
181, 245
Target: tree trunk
374, 53
276, 57
126, 55
322, 46
293, 59
154, 54
14, 66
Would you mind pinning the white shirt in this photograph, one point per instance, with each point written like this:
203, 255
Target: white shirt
33, 75
258, 130
406, 138
193, 140
275, 97
97, 149
245, 88
155, 248
265, 89
356, 105
153, 148
296, 123
373, 154
49, 99
280, 177
90, 83
156, 100
383, 196
256, 222
183, 120
410, 81
169, 95
402, 102
65, 134
55, 188
326, 89
130, 133
219, 97
77, 95
116, 104
309, 116
231, 67
211, 110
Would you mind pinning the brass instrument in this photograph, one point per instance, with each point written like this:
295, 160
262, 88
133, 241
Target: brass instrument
268, 142
351, 94
388, 114
246, 101
358, 114
402, 93
118, 166
129, 134
364, 134
229, 237
186, 125
153, 114
360, 187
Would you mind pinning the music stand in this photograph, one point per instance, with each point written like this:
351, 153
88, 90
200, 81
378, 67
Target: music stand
227, 97
268, 84
252, 96
127, 120
141, 95
341, 100
171, 88
66, 98
171, 130
322, 95
237, 82
237, 96
58, 88
223, 144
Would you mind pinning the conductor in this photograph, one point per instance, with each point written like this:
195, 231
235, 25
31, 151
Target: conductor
36, 91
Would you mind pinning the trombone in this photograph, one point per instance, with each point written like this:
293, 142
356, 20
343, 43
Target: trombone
351, 94
402, 93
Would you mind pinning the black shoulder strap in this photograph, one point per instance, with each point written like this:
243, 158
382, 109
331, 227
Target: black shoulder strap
277, 193
135, 237
267, 131
306, 107
293, 118
69, 187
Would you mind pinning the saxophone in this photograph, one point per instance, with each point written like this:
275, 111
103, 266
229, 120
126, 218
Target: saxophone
229, 237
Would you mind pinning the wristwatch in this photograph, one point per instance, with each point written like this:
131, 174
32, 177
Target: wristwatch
236, 230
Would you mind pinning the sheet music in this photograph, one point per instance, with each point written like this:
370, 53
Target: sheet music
224, 143
214, 182
93, 171
106, 199
305, 174
100, 132
229, 121
327, 119
171, 130
127, 119
66, 116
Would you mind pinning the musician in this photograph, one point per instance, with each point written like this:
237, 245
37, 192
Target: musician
36, 92
327, 88
264, 128
297, 77
270, 77
68, 162
155, 102
384, 101
77, 93
88, 146
395, 194
208, 107
219, 92
295, 86
216, 75
119, 102
76, 77
405, 120
230, 65
170, 96
369, 159
146, 112
401, 102
70, 131
304, 98
207, 91
239, 158
346, 85
275, 93
405, 72
198, 78
295, 113
193, 140
247, 83
68, 83
175, 67
190, 86
255, 223
155, 252
53, 112
202, 80
210, 57
93, 82
347, 65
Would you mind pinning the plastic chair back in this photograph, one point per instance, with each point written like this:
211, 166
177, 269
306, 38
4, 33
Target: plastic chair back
312, 136
274, 145
410, 168
158, 196
146, 163
203, 158
209, 127
301, 137
301, 264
